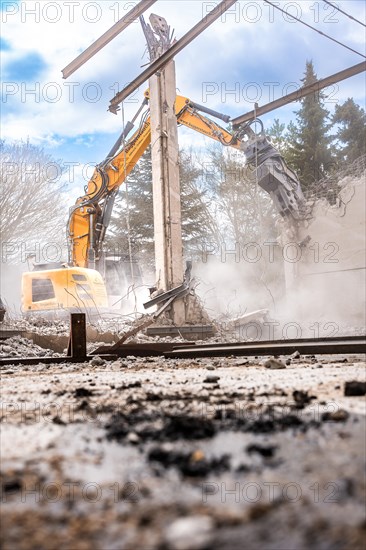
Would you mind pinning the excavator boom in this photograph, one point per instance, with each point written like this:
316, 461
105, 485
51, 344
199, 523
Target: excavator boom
90, 217
79, 284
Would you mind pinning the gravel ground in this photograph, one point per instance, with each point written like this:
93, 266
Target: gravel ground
182, 454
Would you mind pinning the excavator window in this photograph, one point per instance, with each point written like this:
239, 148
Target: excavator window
42, 289
77, 277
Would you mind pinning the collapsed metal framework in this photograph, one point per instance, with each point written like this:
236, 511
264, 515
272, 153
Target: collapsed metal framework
173, 48
77, 349
171, 52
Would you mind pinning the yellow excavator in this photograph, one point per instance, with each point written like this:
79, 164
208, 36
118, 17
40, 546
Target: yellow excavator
79, 283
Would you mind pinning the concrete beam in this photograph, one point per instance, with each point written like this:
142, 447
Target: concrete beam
166, 186
171, 53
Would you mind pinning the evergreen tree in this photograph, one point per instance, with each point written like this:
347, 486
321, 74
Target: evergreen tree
351, 119
277, 135
310, 154
136, 206
133, 215
198, 225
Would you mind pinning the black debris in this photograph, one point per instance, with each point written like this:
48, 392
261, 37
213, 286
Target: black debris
354, 388
193, 464
267, 451
83, 392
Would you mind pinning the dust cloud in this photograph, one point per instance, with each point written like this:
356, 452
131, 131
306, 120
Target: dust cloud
313, 284
11, 287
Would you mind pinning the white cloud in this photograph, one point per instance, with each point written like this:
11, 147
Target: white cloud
242, 47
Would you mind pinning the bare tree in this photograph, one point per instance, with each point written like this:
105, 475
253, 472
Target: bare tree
198, 225
32, 206
244, 210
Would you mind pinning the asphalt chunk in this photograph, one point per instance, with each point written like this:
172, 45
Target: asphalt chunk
211, 379
189, 427
302, 398
82, 392
11, 486
354, 388
157, 428
192, 464
335, 416
267, 451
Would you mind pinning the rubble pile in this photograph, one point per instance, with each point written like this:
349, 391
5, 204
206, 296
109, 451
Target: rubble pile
184, 454
22, 347
39, 325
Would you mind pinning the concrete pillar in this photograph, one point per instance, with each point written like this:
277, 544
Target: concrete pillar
166, 186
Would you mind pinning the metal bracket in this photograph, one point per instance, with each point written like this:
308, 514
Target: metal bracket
77, 341
157, 35
176, 292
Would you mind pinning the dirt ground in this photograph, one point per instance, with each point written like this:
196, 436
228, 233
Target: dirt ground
180, 454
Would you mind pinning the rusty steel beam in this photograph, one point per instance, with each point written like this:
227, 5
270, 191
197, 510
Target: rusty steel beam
170, 53
302, 92
6, 333
77, 341
264, 343
149, 349
50, 360
328, 346
117, 28
202, 331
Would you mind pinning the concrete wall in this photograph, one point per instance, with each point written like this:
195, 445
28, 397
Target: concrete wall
327, 280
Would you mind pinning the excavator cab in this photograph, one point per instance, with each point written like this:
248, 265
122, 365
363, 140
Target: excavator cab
63, 288
52, 287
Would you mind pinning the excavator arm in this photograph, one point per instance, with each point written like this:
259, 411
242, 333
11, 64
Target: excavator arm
71, 286
90, 217
271, 171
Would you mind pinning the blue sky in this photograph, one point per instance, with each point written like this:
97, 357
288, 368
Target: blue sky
251, 54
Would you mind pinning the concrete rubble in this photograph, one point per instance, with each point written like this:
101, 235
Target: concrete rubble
191, 454
182, 454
